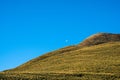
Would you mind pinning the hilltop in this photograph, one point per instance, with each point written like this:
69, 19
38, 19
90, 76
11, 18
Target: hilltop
98, 55
100, 38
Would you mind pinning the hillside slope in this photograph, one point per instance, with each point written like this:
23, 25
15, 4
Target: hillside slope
83, 58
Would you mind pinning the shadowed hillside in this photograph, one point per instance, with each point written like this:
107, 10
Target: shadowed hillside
100, 38
98, 55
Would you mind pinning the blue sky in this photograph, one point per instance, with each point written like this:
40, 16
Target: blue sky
29, 28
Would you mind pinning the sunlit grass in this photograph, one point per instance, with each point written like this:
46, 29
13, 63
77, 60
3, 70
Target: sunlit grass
102, 61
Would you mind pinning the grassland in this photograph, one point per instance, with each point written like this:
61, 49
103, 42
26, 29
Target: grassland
58, 76
98, 62
96, 58
103, 58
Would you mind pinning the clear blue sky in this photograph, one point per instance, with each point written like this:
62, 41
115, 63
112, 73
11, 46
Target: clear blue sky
29, 28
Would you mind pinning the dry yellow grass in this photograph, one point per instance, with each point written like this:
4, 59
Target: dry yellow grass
103, 58
100, 59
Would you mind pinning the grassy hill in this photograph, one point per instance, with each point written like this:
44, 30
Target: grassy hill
96, 58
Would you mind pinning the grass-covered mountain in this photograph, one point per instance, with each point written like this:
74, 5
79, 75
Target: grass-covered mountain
96, 58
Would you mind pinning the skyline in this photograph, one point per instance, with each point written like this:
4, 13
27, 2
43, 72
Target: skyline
30, 28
